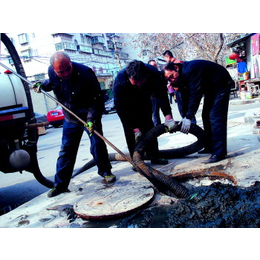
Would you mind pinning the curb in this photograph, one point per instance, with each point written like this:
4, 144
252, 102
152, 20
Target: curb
244, 101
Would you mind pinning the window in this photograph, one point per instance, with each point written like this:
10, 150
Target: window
82, 38
23, 38
26, 55
84, 48
100, 52
65, 46
98, 39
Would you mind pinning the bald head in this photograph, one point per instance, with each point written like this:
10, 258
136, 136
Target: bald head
61, 64
59, 55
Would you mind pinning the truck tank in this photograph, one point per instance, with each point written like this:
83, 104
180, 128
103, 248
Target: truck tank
18, 133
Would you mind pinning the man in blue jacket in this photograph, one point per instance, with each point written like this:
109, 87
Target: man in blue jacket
133, 88
200, 78
77, 87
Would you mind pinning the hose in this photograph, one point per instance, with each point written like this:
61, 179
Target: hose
31, 145
164, 183
167, 184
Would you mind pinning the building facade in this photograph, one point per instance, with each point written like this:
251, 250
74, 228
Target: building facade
103, 52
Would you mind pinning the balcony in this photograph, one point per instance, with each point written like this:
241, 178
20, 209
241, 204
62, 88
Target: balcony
65, 46
83, 48
98, 39
101, 52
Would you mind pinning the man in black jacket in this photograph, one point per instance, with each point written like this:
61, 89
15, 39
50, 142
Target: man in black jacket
200, 78
77, 87
133, 88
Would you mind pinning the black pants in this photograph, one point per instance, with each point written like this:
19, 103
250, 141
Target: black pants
147, 124
214, 116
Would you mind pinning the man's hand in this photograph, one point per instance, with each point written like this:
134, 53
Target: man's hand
185, 127
138, 135
169, 123
37, 87
90, 127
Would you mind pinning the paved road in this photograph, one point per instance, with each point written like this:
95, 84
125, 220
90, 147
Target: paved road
16, 188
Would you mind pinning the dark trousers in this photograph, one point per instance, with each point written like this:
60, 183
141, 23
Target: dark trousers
180, 106
214, 116
147, 124
71, 137
156, 112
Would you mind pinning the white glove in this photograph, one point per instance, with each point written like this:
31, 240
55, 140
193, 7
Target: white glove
170, 123
138, 135
185, 127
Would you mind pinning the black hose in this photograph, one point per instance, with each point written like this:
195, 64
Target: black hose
31, 145
163, 182
180, 152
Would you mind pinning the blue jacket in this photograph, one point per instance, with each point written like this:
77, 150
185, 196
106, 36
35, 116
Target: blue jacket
81, 94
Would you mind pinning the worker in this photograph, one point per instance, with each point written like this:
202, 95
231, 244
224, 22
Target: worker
76, 87
132, 90
174, 87
200, 78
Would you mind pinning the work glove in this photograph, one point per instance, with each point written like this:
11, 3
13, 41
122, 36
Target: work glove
185, 127
138, 135
90, 127
170, 123
37, 87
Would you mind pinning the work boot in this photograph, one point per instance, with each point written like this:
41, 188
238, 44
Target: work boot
215, 158
159, 161
134, 169
55, 191
110, 178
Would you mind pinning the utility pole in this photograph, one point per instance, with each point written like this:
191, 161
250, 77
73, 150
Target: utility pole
116, 51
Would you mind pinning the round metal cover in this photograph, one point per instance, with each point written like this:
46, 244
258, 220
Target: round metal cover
113, 201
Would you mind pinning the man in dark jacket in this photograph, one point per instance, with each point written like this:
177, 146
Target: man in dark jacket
133, 88
200, 78
77, 87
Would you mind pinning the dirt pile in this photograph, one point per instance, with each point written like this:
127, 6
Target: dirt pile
215, 206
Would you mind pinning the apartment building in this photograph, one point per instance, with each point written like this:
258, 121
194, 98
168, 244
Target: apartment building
100, 51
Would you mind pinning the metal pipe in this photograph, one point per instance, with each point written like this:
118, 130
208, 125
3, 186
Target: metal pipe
68, 110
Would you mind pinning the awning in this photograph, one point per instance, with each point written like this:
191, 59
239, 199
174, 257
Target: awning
242, 39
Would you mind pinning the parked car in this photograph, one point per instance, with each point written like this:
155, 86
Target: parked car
56, 116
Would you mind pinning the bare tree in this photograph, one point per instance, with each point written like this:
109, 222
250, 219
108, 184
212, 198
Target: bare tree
185, 46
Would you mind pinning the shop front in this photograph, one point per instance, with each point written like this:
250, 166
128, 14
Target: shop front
243, 64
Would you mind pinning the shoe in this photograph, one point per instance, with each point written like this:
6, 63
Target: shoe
110, 178
159, 161
215, 158
204, 151
134, 169
56, 191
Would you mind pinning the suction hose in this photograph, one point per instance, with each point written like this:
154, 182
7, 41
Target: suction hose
163, 182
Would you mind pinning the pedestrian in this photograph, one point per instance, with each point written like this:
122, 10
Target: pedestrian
168, 56
171, 92
132, 90
155, 103
76, 87
197, 79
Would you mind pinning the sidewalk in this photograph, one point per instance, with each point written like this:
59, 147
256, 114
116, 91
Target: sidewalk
242, 163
